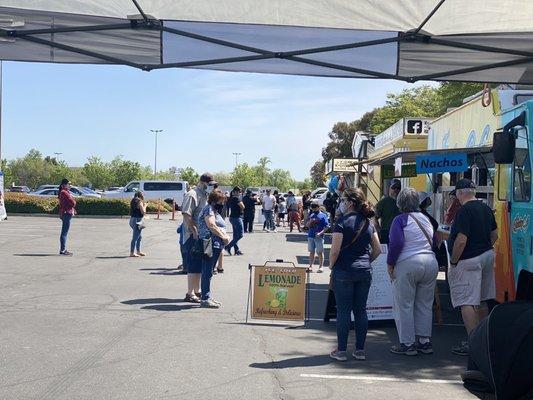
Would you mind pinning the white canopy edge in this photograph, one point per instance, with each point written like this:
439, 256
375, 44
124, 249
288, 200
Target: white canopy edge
452, 17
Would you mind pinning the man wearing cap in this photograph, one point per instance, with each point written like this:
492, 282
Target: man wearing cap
193, 203
249, 200
471, 241
387, 210
317, 223
269, 204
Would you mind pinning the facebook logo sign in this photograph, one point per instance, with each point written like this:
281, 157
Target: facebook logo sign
414, 126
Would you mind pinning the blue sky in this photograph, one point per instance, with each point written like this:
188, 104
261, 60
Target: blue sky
105, 111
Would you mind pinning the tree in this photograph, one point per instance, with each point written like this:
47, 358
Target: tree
245, 176
452, 94
306, 184
318, 174
98, 173
188, 174
124, 171
281, 179
262, 171
223, 178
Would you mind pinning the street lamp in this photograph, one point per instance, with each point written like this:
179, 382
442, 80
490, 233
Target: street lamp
156, 131
237, 159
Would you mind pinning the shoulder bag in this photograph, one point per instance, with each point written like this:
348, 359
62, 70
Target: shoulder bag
430, 241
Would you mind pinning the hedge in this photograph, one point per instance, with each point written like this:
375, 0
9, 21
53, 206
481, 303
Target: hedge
27, 204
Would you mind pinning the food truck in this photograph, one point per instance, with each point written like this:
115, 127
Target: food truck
460, 145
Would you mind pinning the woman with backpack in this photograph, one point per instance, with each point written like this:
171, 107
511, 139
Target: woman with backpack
413, 269
355, 244
67, 209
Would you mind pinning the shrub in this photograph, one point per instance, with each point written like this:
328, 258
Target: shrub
27, 204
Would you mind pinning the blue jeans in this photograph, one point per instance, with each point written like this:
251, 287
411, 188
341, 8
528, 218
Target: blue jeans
351, 293
65, 226
269, 220
207, 273
137, 235
238, 232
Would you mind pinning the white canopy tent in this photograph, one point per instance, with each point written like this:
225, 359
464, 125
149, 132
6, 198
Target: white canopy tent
409, 40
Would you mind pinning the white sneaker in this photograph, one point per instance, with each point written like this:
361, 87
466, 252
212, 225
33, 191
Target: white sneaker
338, 355
320, 270
209, 304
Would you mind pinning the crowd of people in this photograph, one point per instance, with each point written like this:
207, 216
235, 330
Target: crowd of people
400, 219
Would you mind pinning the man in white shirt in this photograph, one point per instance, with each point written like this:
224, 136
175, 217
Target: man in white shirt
269, 204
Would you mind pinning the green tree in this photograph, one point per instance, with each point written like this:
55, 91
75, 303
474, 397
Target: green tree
98, 173
124, 171
281, 179
244, 176
188, 174
318, 174
452, 94
306, 184
262, 171
223, 178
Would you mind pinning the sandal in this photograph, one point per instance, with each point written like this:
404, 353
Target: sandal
220, 270
191, 298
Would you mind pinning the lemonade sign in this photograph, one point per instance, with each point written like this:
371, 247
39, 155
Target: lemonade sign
279, 293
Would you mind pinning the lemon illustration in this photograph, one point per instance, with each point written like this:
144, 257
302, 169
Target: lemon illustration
274, 303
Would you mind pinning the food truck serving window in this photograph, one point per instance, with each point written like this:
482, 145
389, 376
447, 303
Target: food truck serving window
522, 168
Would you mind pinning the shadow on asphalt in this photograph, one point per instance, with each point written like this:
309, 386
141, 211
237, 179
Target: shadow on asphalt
170, 307
111, 257
156, 300
35, 255
163, 271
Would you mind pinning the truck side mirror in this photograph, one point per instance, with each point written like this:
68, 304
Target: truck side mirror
504, 143
503, 147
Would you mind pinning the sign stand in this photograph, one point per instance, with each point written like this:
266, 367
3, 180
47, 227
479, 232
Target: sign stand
306, 292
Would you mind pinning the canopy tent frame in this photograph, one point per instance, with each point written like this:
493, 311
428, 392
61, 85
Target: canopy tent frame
144, 21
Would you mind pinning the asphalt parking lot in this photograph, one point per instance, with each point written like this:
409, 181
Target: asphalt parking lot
101, 325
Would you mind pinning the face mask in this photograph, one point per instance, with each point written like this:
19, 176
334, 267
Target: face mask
219, 207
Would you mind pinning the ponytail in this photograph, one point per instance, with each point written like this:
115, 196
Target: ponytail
367, 210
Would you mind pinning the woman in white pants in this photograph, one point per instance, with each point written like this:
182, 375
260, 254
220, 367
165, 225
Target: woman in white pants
413, 269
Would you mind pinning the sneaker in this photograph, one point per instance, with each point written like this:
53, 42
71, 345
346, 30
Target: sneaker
215, 271
338, 355
228, 251
65, 253
191, 298
140, 253
359, 355
210, 304
405, 350
320, 270
239, 253
462, 349
426, 348
275, 231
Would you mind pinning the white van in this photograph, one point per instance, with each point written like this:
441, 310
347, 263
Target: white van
152, 190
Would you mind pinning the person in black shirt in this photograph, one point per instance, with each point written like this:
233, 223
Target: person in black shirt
471, 276
249, 201
236, 209
137, 212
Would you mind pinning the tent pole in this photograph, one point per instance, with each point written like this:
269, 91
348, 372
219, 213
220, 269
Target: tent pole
428, 17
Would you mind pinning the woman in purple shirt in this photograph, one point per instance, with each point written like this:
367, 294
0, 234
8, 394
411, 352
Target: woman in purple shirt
413, 269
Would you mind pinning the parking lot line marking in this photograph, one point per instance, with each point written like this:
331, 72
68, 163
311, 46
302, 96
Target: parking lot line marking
381, 379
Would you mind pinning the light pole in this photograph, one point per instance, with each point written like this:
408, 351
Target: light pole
237, 159
156, 131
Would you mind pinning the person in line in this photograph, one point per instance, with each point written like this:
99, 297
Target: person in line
212, 226
269, 204
355, 245
317, 224
413, 269
250, 201
330, 204
67, 209
137, 213
471, 276
194, 202
236, 208
387, 210
282, 211
292, 209
181, 241
306, 205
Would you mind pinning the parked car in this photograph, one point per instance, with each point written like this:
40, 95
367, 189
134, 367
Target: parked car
19, 189
114, 188
152, 190
254, 190
42, 187
53, 191
315, 194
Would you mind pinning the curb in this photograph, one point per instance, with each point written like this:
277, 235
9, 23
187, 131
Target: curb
81, 216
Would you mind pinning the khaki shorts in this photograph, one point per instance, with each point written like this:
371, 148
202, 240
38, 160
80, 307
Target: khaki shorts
472, 280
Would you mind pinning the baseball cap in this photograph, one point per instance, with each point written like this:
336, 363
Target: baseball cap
396, 184
65, 181
208, 178
463, 184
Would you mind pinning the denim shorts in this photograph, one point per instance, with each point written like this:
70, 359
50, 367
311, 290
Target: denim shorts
315, 244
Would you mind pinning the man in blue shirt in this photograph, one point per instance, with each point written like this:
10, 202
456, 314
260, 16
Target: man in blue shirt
317, 224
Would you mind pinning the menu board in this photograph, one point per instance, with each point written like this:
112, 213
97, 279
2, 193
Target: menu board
379, 304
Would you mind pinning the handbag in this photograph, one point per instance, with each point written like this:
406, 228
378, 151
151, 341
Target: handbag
202, 248
141, 224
